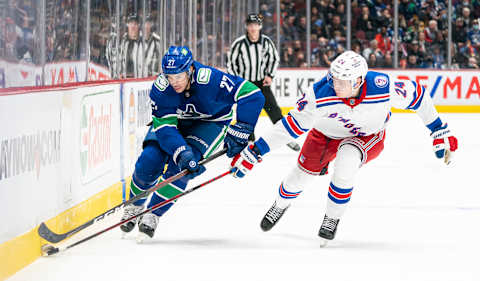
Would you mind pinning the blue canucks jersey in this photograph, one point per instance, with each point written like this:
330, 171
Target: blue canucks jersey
210, 98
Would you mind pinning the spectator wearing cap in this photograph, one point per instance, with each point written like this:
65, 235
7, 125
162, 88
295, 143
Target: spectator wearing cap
153, 52
131, 50
253, 56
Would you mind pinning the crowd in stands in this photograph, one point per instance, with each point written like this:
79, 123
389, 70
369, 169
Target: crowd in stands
17, 31
423, 32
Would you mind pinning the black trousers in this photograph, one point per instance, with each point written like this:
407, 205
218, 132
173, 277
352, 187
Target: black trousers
271, 107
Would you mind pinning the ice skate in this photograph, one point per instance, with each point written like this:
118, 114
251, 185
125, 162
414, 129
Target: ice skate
294, 146
146, 227
128, 212
272, 216
327, 230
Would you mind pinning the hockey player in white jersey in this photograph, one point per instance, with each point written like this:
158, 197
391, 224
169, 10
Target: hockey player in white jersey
346, 113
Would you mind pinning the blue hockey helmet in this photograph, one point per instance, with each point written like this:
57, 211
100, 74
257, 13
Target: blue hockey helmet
178, 59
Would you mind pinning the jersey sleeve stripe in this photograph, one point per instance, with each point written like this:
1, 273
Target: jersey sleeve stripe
376, 99
328, 103
322, 100
169, 120
418, 96
246, 89
294, 125
289, 130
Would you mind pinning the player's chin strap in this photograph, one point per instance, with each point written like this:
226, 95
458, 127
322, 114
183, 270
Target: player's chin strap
48, 250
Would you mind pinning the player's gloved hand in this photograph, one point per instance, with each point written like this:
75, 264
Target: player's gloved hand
237, 138
243, 162
444, 143
186, 160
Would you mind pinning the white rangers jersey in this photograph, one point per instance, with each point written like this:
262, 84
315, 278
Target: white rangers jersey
364, 115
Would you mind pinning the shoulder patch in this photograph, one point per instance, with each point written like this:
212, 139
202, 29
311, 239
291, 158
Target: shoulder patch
161, 83
381, 81
203, 76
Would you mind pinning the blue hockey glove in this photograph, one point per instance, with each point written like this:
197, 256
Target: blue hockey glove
237, 138
444, 143
243, 162
186, 160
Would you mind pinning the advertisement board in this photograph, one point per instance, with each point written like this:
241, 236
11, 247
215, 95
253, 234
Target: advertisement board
59, 73
30, 160
137, 114
57, 148
95, 133
19, 75
446, 87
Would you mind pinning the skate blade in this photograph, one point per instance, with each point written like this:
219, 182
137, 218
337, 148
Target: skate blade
142, 237
323, 243
123, 235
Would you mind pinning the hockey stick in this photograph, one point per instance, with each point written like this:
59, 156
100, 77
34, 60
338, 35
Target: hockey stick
48, 250
53, 237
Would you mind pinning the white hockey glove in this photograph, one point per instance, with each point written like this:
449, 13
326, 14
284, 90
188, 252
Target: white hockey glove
243, 162
444, 143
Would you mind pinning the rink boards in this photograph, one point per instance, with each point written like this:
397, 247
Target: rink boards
67, 152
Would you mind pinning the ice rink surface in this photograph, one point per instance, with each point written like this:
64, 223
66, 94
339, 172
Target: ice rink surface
410, 218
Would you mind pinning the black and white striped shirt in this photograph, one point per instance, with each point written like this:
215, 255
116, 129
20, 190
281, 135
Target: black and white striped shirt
131, 58
153, 55
253, 60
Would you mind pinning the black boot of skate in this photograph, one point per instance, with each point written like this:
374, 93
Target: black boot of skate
272, 216
328, 230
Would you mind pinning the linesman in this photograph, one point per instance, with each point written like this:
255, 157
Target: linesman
254, 57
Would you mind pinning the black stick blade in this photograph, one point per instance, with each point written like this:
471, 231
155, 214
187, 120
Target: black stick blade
50, 236
48, 250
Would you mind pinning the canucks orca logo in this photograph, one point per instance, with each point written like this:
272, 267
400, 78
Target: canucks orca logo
191, 112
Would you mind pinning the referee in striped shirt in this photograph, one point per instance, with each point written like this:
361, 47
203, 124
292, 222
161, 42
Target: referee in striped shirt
254, 57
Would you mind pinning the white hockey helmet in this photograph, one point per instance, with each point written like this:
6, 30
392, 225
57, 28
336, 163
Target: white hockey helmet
346, 68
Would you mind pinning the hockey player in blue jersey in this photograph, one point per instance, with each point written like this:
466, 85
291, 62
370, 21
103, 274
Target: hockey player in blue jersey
346, 114
192, 110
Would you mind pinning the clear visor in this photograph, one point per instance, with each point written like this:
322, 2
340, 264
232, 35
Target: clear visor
338, 84
172, 78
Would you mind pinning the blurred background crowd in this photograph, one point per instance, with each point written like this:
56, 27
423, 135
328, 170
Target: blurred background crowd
44, 31
422, 32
